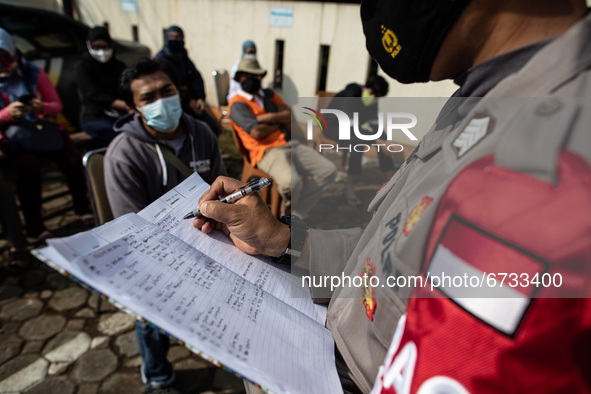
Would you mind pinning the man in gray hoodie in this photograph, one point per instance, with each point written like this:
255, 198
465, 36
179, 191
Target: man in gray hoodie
158, 146
137, 170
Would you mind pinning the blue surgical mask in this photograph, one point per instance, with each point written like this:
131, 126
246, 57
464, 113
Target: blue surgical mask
164, 114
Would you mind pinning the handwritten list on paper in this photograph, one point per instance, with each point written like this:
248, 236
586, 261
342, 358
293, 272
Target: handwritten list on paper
213, 309
235, 308
271, 277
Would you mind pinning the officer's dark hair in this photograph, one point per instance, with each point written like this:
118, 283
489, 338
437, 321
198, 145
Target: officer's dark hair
142, 67
378, 85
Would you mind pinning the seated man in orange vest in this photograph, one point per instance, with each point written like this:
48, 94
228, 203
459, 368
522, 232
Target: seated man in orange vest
263, 122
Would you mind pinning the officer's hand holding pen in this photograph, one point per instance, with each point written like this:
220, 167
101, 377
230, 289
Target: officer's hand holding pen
248, 221
249, 188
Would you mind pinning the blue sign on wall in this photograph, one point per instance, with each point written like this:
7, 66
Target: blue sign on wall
281, 17
129, 6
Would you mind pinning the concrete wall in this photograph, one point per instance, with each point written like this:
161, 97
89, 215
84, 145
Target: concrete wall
215, 30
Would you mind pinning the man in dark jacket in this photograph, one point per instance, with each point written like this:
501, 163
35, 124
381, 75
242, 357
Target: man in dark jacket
363, 100
157, 147
97, 76
191, 87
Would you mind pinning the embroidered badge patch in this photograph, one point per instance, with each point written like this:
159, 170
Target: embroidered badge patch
368, 291
474, 132
415, 214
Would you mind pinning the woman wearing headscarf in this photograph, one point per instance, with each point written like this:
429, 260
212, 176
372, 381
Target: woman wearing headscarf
249, 49
26, 93
97, 75
191, 87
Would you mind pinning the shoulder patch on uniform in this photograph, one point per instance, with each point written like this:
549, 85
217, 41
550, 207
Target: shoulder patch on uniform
367, 290
415, 214
472, 134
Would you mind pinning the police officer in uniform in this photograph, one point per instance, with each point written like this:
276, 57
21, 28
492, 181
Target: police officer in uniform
461, 198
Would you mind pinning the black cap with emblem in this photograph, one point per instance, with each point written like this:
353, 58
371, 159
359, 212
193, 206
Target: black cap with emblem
404, 36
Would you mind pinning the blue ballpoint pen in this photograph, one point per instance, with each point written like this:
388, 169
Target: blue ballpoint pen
249, 188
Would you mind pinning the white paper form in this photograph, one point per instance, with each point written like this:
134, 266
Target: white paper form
84, 243
168, 211
80, 244
194, 298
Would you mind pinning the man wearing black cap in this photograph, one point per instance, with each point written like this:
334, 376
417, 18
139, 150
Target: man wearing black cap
262, 121
191, 87
497, 185
97, 76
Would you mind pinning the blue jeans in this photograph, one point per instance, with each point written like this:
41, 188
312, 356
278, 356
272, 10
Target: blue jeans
153, 348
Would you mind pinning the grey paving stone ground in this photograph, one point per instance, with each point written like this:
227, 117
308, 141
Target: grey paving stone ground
67, 347
126, 344
115, 323
133, 362
86, 312
176, 353
56, 281
69, 298
33, 347
94, 365
122, 383
10, 346
57, 368
21, 309
22, 372
101, 342
42, 327
15, 365
103, 305
59, 385
88, 388
10, 327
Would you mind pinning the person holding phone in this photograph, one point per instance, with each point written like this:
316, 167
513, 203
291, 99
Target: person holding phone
26, 93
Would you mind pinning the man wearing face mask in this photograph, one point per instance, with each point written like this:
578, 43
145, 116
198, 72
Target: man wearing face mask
486, 185
158, 146
97, 76
263, 123
191, 87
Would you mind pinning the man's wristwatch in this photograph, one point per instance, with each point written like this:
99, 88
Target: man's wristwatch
299, 232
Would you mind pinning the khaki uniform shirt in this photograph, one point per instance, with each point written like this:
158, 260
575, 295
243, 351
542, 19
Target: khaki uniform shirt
395, 240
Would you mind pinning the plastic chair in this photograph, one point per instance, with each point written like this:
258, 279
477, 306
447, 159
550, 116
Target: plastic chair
93, 162
221, 80
249, 172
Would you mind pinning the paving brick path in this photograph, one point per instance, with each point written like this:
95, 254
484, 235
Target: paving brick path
56, 338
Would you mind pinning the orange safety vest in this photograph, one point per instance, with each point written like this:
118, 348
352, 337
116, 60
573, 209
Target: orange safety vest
257, 148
